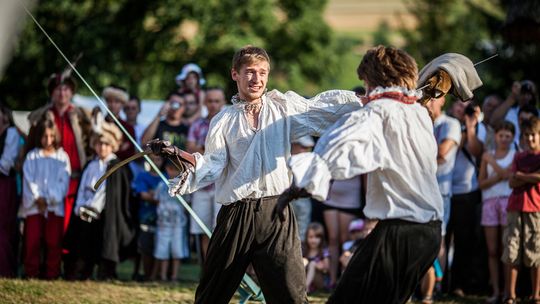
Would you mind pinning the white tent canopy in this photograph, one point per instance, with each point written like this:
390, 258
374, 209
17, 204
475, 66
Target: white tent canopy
149, 110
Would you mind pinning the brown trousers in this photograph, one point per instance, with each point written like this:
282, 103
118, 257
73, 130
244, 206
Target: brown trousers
246, 232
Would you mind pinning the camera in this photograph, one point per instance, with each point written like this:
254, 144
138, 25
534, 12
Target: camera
470, 109
526, 88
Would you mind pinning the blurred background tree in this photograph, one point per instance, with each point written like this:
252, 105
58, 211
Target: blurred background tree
141, 45
478, 29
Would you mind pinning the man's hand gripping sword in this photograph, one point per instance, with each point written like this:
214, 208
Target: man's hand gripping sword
184, 161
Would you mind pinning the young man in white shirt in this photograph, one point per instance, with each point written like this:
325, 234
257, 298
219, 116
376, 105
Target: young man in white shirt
390, 139
246, 155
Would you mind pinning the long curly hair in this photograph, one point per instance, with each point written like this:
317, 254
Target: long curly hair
388, 66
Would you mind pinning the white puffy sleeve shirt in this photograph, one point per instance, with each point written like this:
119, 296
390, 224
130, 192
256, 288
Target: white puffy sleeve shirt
86, 195
45, 176
248, 163
391, 141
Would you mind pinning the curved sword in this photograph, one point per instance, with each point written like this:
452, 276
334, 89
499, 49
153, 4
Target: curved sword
118, 165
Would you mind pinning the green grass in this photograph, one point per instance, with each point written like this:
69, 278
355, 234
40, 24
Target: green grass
49, 292
124, 291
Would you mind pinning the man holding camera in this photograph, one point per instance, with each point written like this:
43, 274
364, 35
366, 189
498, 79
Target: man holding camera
466, 202
523, 93
172, 128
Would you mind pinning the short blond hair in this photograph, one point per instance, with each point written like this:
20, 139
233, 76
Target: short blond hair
387, 67
530, 126
249, 54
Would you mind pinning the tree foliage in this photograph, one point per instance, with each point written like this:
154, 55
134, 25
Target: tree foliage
473, 28
142, 45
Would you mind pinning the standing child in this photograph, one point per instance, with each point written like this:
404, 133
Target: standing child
523, 217
316, 257
493, 180
46, 173
170, 233
144, 186
103, 226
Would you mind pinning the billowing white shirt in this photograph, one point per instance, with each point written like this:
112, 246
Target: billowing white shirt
248, 163
86, 195
391, 141
45, 176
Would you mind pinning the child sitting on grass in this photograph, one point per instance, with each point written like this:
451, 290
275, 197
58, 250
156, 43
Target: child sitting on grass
316, 257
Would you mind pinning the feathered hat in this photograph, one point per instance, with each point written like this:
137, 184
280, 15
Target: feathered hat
104, 131
63, 78
116, 92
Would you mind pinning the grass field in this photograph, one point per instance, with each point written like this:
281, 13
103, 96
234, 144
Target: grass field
49, 292
124, 291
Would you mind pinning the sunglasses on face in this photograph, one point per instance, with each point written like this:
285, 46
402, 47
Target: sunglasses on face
176, 105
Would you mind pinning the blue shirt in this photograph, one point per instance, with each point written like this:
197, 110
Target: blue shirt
145, 182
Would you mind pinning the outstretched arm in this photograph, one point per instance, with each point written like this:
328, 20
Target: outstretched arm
351, 147
354, 145
314, 115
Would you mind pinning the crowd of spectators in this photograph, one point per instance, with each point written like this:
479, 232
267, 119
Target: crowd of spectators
487, 161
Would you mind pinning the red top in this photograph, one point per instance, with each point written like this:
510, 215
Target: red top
525, 198
68, 137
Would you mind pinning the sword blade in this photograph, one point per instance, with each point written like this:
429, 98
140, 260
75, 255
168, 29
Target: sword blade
118, 165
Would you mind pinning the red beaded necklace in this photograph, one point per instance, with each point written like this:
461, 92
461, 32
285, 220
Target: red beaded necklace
397, 96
